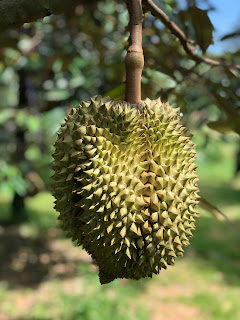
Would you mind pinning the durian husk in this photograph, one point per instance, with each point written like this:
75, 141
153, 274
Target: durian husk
126, 185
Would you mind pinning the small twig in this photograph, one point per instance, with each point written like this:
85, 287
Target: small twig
205, 205
134, 60
185, 42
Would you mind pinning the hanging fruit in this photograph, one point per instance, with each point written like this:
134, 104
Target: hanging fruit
125, 178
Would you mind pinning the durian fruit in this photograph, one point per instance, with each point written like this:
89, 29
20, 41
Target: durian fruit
125, 185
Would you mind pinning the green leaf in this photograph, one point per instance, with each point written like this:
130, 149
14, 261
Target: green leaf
117, 93
214, 211
33, 123
5, 115
226, 106
221, 126
27, 121
57, 95
202, 26
231, 35
232, 113
21, 118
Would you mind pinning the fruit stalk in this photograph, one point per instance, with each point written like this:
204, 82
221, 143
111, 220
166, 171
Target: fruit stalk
134, 60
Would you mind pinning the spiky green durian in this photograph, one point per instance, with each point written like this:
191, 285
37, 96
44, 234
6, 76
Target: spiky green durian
126, 185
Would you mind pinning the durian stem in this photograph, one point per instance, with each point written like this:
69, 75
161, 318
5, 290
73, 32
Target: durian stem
134, 60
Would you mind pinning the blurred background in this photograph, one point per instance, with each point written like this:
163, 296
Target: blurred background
46, 68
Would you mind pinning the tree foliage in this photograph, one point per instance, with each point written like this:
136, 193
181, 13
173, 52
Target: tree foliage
48, 66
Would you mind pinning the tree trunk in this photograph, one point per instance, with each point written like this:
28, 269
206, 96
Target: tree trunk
18, 209
18, 213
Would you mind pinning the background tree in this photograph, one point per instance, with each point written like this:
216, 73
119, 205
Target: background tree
76, 55
54, 53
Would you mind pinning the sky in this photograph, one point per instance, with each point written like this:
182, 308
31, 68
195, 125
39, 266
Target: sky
225, 18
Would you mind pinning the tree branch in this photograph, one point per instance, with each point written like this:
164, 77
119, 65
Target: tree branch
185, 42
134, 60
17, 12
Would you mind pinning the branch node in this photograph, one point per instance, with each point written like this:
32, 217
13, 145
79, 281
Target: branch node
134, 60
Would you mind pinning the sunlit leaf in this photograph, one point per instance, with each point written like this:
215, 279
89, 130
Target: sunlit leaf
57, 95
117, 93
